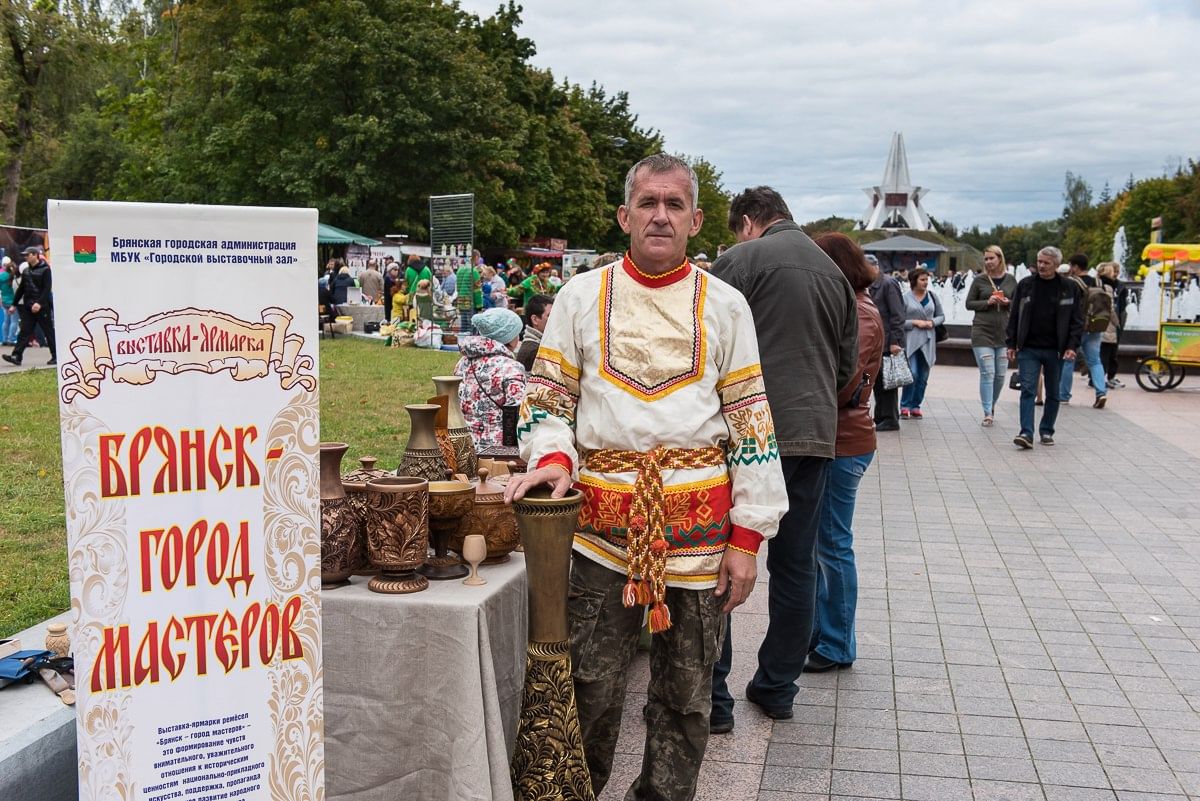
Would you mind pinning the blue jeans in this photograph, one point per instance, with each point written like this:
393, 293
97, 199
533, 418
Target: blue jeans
837, 577
10, 324
1030, 362
792, 563
993, 364
1090, 348
914, 393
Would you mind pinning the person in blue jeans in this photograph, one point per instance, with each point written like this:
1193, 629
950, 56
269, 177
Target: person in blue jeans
833, 644
990, 297
1089, 345
922, 315
10, 321
1044, 328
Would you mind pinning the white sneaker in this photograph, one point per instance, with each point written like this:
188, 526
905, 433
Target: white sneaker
1115, 383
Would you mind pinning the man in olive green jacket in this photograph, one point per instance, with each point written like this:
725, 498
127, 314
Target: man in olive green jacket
807, 325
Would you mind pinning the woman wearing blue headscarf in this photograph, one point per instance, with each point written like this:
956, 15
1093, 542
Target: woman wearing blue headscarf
492, 376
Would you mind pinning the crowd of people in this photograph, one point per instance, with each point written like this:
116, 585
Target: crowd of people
26, 294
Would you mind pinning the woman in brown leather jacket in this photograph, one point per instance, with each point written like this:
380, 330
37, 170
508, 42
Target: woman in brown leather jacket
833, 642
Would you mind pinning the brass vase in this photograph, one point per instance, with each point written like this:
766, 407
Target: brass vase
465, 457
355, 484
340, 531
422, 456
398, 532
548, 760
449, 503
491, 517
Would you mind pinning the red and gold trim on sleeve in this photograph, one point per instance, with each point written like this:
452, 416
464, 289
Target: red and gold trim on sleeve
746, 540
555, 459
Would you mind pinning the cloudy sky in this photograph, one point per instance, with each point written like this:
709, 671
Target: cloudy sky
996, 100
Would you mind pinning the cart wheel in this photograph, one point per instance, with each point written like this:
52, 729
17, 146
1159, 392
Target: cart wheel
1155, 374
1180, 374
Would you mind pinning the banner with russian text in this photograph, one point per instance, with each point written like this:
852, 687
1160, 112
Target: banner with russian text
188, 395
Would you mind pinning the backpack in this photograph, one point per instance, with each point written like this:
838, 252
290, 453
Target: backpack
1099, 309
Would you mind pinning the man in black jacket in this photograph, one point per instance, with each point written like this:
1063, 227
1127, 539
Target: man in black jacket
1044, 328
32, 299
890, 302
807, 325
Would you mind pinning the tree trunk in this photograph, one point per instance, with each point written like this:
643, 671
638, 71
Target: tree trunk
16, 158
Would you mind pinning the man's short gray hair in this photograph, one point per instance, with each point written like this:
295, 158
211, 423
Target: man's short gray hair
1052, 252
658, 164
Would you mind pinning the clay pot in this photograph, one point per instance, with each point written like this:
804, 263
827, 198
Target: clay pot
422, 456
57, 639
355, 484
449, 503
491, 517
465, 457
340, 537
398, 532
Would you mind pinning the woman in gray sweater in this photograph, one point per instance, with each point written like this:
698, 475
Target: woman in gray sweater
922, 315
989, 297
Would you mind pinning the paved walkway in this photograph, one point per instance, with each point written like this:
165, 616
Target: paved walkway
1028, 620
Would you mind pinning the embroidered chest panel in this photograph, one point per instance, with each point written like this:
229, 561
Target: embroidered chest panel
652, 340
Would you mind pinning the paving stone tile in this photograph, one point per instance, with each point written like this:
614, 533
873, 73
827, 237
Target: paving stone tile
802, 733
990, 790
859, 784
802, 780
882, 739
1063, 751
993, 726
873, 760
934, 788
1131, 756
927, 721
1071, 774
931, 742
781, 795
1118, 735
922, 764
866, 718
795, 755
1143, 780
1058, 793
986, 745
1001, 768
723, 780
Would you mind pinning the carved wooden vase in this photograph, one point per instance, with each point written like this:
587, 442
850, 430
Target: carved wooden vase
449, 503
355, 484
465, 457
422, 456
398, 532
340, 531
491, 517
548, 759
57, 639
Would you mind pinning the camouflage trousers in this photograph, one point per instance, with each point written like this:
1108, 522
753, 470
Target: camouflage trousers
604, 638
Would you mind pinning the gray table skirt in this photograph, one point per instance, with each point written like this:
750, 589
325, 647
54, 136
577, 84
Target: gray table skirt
423, 691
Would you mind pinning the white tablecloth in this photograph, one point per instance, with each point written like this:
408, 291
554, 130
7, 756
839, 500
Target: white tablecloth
423, 691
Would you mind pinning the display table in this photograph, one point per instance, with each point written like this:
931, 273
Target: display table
361, 314
423, 691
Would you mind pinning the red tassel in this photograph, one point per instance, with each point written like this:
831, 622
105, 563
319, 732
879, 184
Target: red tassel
659, 547
660, 618
629, 594
645, 592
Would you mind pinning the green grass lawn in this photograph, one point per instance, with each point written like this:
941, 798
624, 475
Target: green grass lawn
364, 387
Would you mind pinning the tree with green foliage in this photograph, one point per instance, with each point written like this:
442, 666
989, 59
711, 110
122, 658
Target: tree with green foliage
714, 200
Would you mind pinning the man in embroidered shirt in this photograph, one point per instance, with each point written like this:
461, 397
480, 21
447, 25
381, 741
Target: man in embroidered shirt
647, 393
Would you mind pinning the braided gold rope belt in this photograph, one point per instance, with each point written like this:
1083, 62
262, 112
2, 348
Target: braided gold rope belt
647, 543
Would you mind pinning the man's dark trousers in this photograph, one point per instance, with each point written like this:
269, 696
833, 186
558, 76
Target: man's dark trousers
29, 321
792, 564
887, 406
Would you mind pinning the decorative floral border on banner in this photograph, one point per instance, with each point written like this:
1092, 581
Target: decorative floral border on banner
98, 563
297, 768
184, 340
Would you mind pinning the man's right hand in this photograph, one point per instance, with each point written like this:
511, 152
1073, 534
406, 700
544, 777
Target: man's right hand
520, 483
1012, 354
895, 349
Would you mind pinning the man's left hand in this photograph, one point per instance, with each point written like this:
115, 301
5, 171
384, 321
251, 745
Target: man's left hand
735, 578
35, 308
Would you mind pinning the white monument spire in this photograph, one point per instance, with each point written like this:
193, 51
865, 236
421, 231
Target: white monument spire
895, 202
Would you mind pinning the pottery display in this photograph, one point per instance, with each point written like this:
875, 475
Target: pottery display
491, 517
355, 484
57, 639
341, 541
465, 457
422, 456
549, 747
397, 532
449, 503
473, 551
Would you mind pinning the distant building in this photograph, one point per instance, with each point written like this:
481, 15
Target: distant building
895, 202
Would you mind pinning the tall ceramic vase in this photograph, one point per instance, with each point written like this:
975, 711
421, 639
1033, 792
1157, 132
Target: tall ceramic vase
460, 434
340, 532
422, 456
398, 533
355, 483
548, 760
